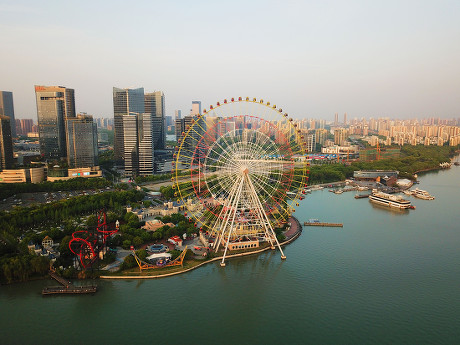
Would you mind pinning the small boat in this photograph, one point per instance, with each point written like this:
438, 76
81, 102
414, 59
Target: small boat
338, 191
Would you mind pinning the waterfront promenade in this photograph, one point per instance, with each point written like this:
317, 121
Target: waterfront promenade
291, 234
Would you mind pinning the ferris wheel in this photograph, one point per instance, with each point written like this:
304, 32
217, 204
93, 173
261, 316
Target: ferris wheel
240, 171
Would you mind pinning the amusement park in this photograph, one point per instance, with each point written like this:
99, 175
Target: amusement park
236, 183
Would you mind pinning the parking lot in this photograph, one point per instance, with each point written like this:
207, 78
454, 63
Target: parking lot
27, 199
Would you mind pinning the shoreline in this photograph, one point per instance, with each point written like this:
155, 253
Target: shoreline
294, 237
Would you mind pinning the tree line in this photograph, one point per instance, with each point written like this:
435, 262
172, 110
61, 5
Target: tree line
412, 160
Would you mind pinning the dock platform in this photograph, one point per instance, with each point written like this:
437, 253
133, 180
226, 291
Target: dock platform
52, 290
67, 287
332, 225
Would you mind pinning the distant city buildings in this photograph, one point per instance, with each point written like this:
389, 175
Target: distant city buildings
104, 122
25, 126
178, 114
413, 132
196, 108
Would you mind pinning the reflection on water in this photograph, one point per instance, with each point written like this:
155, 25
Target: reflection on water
366, 283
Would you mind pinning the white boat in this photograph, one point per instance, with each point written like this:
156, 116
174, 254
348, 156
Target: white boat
338, 191
316, 187
362, 188
422, 194
408, 192
445, 165
395, 201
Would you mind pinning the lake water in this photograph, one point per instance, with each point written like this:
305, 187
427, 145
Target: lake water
384, 278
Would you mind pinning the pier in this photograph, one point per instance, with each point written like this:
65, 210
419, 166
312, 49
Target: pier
66, 287
331, 225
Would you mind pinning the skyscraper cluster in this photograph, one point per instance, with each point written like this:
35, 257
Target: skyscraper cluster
139, 120
62, 133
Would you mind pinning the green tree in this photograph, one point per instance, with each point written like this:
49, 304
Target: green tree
137, 241
126, 244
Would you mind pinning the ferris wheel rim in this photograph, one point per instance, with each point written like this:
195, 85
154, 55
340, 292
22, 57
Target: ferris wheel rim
287, 209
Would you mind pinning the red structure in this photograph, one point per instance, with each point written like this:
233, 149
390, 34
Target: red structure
88, 244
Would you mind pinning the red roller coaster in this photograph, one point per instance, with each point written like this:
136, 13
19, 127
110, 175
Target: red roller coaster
88, 245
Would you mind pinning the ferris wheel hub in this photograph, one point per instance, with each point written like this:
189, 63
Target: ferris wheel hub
245, 169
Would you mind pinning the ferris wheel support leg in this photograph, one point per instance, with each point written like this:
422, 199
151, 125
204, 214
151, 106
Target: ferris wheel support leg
231, 225
260, 211
272, 232
231, 205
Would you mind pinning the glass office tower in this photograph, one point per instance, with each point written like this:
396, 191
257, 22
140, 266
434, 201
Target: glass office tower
54, 105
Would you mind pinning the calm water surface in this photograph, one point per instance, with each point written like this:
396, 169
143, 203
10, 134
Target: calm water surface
385, 278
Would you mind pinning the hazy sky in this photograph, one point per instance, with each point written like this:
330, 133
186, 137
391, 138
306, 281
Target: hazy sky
313, 58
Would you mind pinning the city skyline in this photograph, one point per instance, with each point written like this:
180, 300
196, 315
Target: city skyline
314, 59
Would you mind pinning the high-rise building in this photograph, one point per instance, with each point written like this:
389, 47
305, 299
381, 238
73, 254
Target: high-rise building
145, 134
138, 144
54, 105
310, 141
336, 119
189, 132
340, 136
345, 119
196, 108
155, 105
321, 136
130, 144
178, 114
82, 150
7, 109
6, 143
124, 102
179, 128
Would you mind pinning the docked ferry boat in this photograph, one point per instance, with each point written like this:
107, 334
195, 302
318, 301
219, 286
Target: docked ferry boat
395, 201
422, 194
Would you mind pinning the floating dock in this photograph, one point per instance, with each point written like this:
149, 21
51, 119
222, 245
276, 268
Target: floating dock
332, 225
67, 287
52, 290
